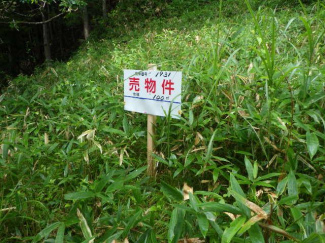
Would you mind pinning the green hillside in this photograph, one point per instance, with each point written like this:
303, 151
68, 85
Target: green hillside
250, 139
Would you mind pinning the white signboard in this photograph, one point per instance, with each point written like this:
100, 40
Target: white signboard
153, 92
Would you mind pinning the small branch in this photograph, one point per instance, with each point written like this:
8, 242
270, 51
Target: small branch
36, 23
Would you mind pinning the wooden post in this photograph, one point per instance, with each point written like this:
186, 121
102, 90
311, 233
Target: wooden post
151, 123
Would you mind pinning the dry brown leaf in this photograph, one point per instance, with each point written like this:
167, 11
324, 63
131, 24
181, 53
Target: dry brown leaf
258, 210
198, 149
259, 193
272, 160
306, 163
273, 145
89, 134
257, 97
46, 138
198, 138
186, 190
25, 117
243, 113
320, 177
232, 216
273, 195
227, 94
205, 181
175, 147
67, 134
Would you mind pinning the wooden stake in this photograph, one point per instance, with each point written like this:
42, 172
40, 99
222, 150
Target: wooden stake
151, 123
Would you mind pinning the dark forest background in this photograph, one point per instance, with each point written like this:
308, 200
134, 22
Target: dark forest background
33, 32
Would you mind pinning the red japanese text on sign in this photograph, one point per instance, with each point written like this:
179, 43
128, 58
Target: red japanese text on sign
134, 84
150, 85
167, 85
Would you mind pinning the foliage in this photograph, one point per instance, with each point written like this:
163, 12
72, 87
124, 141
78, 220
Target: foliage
250, 140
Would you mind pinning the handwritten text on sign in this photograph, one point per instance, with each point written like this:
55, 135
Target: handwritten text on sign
153, 92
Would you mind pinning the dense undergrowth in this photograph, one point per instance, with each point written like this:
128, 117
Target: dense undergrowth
250, 140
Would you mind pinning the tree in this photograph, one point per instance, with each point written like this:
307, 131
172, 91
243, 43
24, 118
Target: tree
104, 9
47, 10
85, 20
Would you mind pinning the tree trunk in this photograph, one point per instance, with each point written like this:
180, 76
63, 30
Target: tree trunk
60, 39
47, 49
104, 9
86, 23
10, 58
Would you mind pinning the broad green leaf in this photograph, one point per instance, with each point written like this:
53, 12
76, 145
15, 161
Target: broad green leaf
267, 176
249, 169
116, 185
307, 185
171, 192
217, 228
161, 160
219, 207
113, 131
231, 231
215, 175
210, 148
297, 215
314, 98
255, 234
255, 170
132, 222
309, 205
292, 184
79, 195
191, 118
312, 144
193, 202
135, 173
210, 216
203, 224
103, 182
176, 224
109, 236
315, 238
252, 221
282, 186
289, 200
236, 187
45, 232
5, 148
172, 225
60, 234
153, 236
148, 237
84, 225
